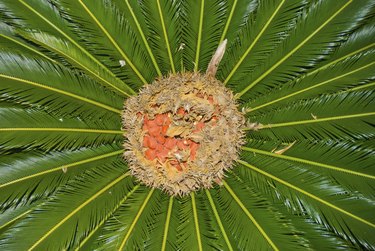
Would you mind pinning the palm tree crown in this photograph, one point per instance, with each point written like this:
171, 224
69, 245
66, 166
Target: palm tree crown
302, 72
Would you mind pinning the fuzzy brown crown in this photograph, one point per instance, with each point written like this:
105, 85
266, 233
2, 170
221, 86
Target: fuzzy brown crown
182, 132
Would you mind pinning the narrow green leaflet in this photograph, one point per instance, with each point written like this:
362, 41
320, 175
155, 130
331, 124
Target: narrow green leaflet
74, 217
358, 44
30, 128
320, 196
112, 38
203, 18
37, 82
323, 23
10, 41
32, 175
162, 17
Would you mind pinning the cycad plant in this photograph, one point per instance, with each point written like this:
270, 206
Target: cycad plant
78, 168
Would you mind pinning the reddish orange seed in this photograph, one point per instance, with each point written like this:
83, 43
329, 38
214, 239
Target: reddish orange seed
159, 147
150, 154
167, 121
164, 129
160, 139
159, 119
181, 111
181, 145
151, 123
161, 156
199, 126
153, 143
170, 143
154, 131
178, 167
193, 150
146, 141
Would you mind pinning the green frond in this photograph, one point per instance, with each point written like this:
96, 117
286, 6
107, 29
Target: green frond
250, 219
78, 205
258, 37
350, 66
135, 221
318, 24
43, 16
87, 242
10, 41
141, 31
112, 38
346, 115
36, 15
182, 229
212, 208
307, 233
350, 164
237, 15
240, 48
79, 60
27, 129
164, 32
37, 82
200, 18
12, 215
322, 197
212, 237
32, 175
132, 222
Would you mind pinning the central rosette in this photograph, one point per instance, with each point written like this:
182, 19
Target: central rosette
183, 132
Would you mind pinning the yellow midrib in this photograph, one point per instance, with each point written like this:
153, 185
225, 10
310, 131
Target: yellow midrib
62, 92
251, 85
242, 58
166, 37
196, 222
306, 193
318, 120
70, 39
309, 162
78, 209
200, 28
46, 129
110, 38
167, 221
250, 216
61, 167
130, 230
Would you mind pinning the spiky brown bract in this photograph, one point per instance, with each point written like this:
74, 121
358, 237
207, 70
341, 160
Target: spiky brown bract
202, 111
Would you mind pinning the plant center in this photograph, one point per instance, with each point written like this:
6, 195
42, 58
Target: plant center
182, 132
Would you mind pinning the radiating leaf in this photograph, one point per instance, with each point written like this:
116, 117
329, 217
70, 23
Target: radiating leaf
20, 128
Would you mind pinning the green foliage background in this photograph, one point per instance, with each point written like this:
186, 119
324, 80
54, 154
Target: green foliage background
304, 69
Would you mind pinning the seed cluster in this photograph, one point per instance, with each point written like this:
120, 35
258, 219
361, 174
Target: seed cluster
182, 132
